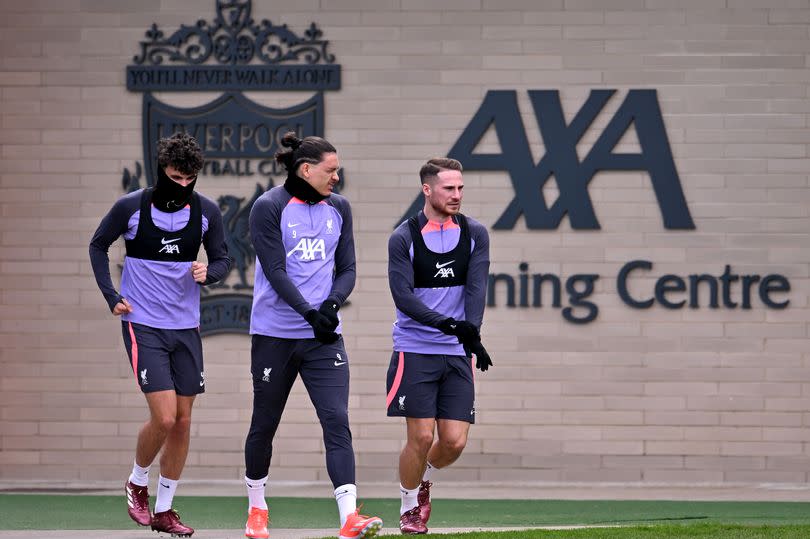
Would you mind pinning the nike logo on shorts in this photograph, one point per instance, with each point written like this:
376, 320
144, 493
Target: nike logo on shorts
339, 363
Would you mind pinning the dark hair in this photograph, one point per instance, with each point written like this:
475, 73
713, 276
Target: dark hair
180, 151
305, 150
431, 169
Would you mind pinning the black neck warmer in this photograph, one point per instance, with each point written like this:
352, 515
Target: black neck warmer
299, 188
169, 196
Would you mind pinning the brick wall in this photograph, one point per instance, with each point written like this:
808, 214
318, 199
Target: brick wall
654, 395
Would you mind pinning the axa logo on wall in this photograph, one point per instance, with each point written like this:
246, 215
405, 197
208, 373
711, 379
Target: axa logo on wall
639, 109
233, 54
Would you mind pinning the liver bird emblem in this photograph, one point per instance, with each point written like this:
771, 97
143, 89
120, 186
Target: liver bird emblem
237, 234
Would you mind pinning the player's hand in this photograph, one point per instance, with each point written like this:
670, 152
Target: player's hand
329, 309
122, 307
199, 272
482, 359
466, 332
321, 326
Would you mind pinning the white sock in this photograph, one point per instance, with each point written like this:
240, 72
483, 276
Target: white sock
255, 490
346, 498
139, 476
408, 499
165, 495
429, 469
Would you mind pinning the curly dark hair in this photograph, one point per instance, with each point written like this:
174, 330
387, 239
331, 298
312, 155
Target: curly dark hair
180, 151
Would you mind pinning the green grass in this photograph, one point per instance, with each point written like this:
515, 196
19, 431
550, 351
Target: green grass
35, 511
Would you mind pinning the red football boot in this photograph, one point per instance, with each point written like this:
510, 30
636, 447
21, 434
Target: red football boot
423, 499
169, 522
410, 523
138, 503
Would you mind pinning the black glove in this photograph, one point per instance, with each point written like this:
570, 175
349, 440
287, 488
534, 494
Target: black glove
321, 326
466, 332
482, 359
329, 309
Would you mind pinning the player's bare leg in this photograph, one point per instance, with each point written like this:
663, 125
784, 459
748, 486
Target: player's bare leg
450, 442
412, 463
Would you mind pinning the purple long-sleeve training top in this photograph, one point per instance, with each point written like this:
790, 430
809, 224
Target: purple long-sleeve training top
304, 255
420, 310
162, 294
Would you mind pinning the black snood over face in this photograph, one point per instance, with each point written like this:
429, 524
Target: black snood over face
301, 189
169, 196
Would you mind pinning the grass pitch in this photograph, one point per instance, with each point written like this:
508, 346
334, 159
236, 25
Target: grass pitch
72, 512
628, 519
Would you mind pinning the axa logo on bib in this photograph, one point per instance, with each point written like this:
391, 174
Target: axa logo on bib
169, 247
444, 271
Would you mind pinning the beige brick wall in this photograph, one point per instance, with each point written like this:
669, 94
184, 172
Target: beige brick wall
665, 396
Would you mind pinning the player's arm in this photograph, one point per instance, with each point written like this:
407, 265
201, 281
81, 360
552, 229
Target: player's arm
214, 243
345, 261
475, 288
265, 233
113, 225
475, 291
401, 279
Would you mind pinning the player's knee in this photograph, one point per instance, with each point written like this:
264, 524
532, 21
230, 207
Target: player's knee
454, 446
182, 423
421, 441
334, 419
165, 423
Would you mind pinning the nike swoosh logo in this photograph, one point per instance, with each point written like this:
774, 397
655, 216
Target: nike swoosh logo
202, 383
440, 266
164, 241
162, 485
290, 225
339, 363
